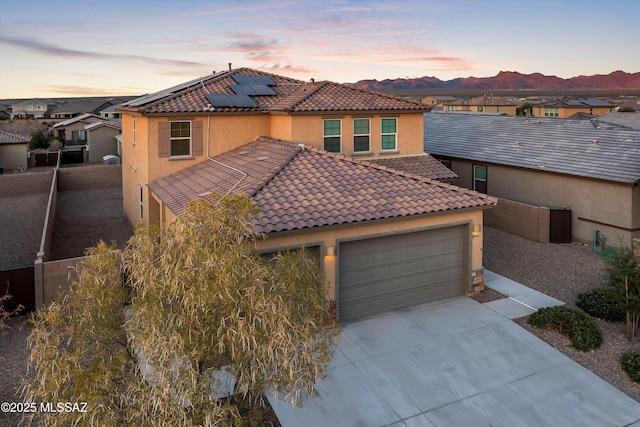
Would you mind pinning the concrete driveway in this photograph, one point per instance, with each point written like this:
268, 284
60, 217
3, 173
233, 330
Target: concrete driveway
455, 363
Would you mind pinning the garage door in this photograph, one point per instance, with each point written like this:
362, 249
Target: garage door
387, 273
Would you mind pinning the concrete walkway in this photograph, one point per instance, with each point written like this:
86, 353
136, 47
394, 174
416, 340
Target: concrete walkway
457, 363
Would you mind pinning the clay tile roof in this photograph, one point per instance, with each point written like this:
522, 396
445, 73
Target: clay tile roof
296, 188
424, 166
11, 138
291, 95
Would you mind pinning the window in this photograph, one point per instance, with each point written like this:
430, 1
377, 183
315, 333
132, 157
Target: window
389, 133
141, 201
180, 139
551, 112
78, 135
30, 107
445, 162
480, 178
361, 135
332, 135
480, 108
39, 107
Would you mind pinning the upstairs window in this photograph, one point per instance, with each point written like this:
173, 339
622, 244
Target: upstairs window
551, 112
480, 178
389, 133
480, 109
332, 135
361, 135
180, 139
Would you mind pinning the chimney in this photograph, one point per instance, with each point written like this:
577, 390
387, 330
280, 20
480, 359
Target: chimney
229, 66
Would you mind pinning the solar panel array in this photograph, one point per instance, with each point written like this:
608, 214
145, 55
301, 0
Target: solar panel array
247, 85
221, 100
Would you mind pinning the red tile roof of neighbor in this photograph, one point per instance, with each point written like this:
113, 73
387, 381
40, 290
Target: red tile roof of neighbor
297, 187
291, 96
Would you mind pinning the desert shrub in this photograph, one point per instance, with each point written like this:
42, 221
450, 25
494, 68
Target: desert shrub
39, 139
581, 329
630, 362
604, 303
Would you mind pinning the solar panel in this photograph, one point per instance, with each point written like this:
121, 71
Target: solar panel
221, 100
254, 79
253, 90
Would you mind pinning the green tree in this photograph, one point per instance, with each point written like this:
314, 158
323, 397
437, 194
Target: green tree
39, 140
198, 303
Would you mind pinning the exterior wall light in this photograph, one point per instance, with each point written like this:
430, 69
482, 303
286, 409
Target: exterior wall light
330, 251
476, 230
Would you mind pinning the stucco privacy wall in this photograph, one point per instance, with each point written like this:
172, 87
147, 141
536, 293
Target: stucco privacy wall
57, 276
608, 207
85, 178
13, 156
31, 182
531, 222
331, 236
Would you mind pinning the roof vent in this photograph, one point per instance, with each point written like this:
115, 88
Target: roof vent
542, 165
301, 146
262, 158
594, 142
517, 144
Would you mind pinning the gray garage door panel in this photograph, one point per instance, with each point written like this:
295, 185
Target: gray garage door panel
393, 272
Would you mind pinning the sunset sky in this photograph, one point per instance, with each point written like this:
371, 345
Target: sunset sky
55, 48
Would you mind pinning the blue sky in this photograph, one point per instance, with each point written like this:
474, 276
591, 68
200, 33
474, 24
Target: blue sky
55, 48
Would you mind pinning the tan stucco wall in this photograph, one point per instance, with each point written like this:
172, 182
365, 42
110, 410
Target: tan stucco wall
13, 156
331, 236
606, 202
221, 133
308, 129
564, 112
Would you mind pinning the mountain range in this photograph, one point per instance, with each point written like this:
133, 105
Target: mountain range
509, 80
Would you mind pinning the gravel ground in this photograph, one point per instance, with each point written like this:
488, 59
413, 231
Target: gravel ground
13, 365
24, 213
562, 271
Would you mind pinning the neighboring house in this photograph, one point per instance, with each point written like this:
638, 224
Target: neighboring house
436, 101
310, 155
32, 109
80, 107
101, 139
5, 111
484, 104
110, 113
72, 131
573, 164
623, 120
566, 107
13, 150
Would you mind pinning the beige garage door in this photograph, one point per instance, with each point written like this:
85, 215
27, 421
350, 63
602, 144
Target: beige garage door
392, 272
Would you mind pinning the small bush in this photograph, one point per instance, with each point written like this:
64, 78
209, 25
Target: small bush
630, 362
604, 303
581, 330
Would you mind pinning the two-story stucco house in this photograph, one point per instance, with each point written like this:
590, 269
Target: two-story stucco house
336, 170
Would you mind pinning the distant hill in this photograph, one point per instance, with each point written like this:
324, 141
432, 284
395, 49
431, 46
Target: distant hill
510, 80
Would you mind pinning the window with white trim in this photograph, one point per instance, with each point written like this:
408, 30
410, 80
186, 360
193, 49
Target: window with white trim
332, 135
180, 139
361, 135
551, 112
389, 138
